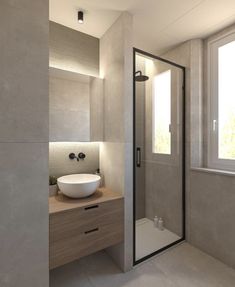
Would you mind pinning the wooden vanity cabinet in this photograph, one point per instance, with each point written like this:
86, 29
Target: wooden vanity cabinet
86, 228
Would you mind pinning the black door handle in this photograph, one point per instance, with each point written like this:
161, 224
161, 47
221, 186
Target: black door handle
138, 157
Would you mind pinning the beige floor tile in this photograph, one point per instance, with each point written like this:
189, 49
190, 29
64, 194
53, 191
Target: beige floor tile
182, 266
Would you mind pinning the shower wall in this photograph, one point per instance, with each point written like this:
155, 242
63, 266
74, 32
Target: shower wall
158, 182
163, 180
210, 195
140, 140
116, 162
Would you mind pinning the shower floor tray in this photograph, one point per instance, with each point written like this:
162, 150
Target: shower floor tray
150, 239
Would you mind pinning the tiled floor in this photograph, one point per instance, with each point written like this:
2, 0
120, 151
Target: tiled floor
182, 266
150, 238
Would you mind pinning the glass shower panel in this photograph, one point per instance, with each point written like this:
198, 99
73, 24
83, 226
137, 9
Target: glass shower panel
159, 155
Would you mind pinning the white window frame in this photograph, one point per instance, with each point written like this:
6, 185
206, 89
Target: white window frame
213, 160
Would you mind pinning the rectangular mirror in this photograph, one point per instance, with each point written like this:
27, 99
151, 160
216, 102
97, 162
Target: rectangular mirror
76, 107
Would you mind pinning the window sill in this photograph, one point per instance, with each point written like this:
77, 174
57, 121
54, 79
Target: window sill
213, 171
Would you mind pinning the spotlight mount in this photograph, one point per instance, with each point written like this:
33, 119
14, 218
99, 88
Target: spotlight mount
80, 17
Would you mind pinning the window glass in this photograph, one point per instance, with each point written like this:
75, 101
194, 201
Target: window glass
226, 101
162, 113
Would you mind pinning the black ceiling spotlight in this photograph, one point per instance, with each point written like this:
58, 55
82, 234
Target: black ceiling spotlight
80, 17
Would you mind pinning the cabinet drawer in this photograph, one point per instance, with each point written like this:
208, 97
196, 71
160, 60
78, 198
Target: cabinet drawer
70, 249
80, 232
72, 222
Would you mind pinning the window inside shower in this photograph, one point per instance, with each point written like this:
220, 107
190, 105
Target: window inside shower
159, 155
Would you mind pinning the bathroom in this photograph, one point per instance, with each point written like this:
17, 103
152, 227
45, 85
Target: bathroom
131, 113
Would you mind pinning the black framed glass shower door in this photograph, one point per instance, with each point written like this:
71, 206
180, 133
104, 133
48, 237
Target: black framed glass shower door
159, 154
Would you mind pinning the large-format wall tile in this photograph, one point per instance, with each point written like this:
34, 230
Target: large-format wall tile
24, 214
140, 193
69, 110
60, 164
116, 68
140, 140
112, 165
24, 71
163, 185
72, 95
116, 152
73, 51
113, 104
212, 215
96, 109
210, 197
24, 135
69, 126
163, 174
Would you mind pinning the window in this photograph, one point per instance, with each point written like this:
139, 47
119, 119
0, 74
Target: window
162, 113
221, 130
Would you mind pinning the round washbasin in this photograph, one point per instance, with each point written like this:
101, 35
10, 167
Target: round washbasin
78, 185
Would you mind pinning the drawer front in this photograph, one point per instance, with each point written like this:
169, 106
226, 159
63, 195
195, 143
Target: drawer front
80, 233
70, 223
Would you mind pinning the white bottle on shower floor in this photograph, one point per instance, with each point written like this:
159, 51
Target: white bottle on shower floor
155, 221
160, 224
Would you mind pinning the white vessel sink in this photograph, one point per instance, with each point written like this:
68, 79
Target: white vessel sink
78, 185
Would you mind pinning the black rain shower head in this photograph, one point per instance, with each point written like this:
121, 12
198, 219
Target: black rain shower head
139, 77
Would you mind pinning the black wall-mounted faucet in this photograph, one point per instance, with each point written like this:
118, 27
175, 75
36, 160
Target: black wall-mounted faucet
81, 155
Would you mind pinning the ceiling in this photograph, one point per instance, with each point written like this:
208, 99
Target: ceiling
158, 24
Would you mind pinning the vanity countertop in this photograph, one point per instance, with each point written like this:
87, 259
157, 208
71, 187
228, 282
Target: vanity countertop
61, 203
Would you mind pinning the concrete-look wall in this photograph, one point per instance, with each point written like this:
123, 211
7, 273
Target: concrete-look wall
69, 109
96, 109
75, 107
116, 150
73, 51
24, 143
210, 196
159, 179
163, 182
140, 140
60, 163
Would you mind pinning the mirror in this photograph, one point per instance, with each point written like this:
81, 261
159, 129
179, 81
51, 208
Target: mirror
76, 107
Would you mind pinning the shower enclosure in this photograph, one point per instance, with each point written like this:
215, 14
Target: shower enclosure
159, 154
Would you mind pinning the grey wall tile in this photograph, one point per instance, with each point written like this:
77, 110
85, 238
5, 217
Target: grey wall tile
112, 165
24, 135
60, 164
74, 51
210, 197
24, 214
116, 151
24, 88
96, 109
164, 194
212, 215
162, 176
140, 139
69, 126
66, 94
69, 110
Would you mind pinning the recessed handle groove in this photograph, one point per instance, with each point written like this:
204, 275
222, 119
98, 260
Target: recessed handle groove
91, 207
92, 230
